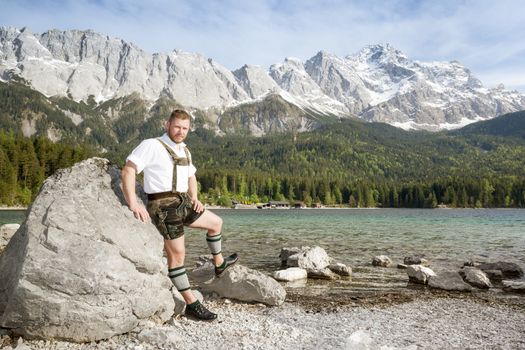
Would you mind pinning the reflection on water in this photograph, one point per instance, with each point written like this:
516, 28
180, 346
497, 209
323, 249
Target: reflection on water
446, 237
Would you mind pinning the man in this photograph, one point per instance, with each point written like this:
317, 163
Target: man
171, 186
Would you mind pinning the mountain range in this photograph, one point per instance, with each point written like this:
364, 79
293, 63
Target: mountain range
379, 84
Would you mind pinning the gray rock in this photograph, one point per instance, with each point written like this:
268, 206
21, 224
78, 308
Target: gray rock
416, 260
341, 269
241, 283
324, 274
81, 267
401, 266
475, 277
290, 274
449, 281
514, 286
419, 274
161, 338
494, 275
382, 260
508, 269
287, 252
6, 232
308, 258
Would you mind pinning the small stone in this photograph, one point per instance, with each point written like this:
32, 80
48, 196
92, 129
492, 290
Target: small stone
382, 261
449, 281
341, 269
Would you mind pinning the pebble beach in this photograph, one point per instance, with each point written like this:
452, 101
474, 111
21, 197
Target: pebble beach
430, 320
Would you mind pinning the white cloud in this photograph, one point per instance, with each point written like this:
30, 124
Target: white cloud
484, 35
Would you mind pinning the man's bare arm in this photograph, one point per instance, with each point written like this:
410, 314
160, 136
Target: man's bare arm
193, 191
128, 187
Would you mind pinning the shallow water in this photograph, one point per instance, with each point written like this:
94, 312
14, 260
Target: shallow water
445, 237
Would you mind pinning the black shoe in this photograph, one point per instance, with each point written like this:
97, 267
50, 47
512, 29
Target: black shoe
200, 312
228, 261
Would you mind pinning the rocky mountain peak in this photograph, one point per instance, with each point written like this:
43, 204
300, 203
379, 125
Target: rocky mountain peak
379, 83
380, 54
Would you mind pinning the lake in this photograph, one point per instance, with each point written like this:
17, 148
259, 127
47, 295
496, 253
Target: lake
445, 237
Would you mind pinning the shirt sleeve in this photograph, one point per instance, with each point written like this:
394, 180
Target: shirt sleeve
141, 156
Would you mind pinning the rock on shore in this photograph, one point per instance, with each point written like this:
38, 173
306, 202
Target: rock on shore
81, 267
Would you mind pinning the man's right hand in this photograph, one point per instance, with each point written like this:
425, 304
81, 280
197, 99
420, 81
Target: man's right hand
140, 212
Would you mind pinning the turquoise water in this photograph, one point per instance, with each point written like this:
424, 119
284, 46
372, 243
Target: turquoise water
12, 216
446, 237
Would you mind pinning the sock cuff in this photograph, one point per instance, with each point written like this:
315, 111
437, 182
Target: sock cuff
215, 238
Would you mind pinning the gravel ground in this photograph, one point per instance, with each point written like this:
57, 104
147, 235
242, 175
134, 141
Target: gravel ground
428, 322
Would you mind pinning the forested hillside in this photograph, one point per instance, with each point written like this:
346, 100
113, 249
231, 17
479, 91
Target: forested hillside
363, 164
26, 162
345, 162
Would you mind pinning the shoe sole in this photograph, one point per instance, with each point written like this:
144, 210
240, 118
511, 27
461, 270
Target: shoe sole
194, 318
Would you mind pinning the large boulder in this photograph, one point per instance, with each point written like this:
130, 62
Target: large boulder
239, 282
449, 281
81, 267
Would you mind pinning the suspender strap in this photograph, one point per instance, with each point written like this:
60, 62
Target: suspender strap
176, 161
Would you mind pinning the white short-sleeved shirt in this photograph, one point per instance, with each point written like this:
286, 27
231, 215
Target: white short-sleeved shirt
152, 158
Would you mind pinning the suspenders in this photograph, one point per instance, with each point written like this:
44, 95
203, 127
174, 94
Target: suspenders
176, 161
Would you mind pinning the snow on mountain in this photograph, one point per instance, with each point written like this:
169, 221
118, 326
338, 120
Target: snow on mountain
379, 83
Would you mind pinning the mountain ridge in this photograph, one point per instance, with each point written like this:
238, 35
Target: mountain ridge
379, 83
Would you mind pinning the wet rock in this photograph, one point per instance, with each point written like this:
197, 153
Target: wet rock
494, 275
81, 267
241, 283
382, 261
514, 286
508, 269
288, 252
475, 277
416, 260
449, 281
324, 274
290, 274
419, 274
308, 258
401, 266
341, 269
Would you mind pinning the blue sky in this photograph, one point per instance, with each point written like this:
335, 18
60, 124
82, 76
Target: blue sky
486, 36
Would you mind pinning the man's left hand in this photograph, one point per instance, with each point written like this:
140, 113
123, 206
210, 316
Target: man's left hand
197, 205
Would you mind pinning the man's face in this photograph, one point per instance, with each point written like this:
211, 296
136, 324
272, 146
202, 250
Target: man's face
177, 129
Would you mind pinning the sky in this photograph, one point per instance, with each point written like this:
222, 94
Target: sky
486, 36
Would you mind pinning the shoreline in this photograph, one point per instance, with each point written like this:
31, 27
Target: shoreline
13, 208
435, 320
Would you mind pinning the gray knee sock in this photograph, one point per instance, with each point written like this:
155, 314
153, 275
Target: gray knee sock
214, 243
179, 278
